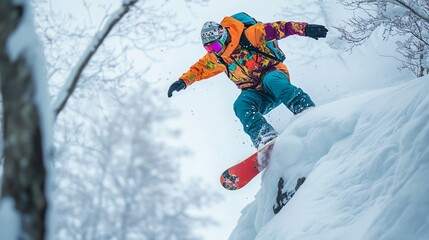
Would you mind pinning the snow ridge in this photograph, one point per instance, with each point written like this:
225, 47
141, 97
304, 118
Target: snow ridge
366, 162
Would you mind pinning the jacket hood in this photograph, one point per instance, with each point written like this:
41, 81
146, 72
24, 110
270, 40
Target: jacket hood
235, 29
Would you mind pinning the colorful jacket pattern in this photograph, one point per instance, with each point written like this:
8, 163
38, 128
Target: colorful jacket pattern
246, 70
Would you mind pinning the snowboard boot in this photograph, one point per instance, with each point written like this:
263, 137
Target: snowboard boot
264, 155
264, 138
300, 103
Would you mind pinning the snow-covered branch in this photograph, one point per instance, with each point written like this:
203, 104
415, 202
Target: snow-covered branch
406, 18
416, 8
92, 48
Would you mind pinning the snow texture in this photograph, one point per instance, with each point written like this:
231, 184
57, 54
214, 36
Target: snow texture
367, 164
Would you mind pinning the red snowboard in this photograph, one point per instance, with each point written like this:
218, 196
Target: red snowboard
239, 175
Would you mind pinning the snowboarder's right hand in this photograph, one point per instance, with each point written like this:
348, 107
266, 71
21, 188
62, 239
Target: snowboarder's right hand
176, 86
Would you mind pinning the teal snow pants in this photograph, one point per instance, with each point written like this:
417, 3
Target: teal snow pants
251, 104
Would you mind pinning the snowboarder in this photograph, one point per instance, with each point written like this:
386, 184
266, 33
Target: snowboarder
243, 51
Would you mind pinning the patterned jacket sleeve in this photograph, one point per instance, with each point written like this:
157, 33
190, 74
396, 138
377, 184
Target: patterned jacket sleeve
205, 68
264, 32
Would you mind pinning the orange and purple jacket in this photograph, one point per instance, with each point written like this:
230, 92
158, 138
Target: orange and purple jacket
245, 69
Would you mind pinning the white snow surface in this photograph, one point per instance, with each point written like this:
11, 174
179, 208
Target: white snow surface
366, 160
9, 220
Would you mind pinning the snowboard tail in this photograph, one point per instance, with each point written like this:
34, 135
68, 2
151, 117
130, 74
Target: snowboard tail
242, 173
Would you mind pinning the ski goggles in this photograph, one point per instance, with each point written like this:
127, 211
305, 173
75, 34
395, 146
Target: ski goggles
214, 46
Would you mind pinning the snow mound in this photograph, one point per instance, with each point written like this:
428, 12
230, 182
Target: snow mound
366, 160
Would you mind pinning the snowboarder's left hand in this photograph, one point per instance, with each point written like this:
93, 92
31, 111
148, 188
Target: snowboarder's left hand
176, 86
316, 31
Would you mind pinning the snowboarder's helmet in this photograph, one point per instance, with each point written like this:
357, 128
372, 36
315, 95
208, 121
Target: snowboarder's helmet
212, 31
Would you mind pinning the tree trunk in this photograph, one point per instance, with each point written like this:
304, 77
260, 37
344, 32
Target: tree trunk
24, 168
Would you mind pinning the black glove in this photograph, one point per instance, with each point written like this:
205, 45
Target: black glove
176, 86
315, 31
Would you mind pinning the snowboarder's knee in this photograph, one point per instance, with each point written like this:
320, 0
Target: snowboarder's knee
244, 106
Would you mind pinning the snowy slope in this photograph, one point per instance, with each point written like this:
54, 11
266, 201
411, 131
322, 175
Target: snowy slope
366, 159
